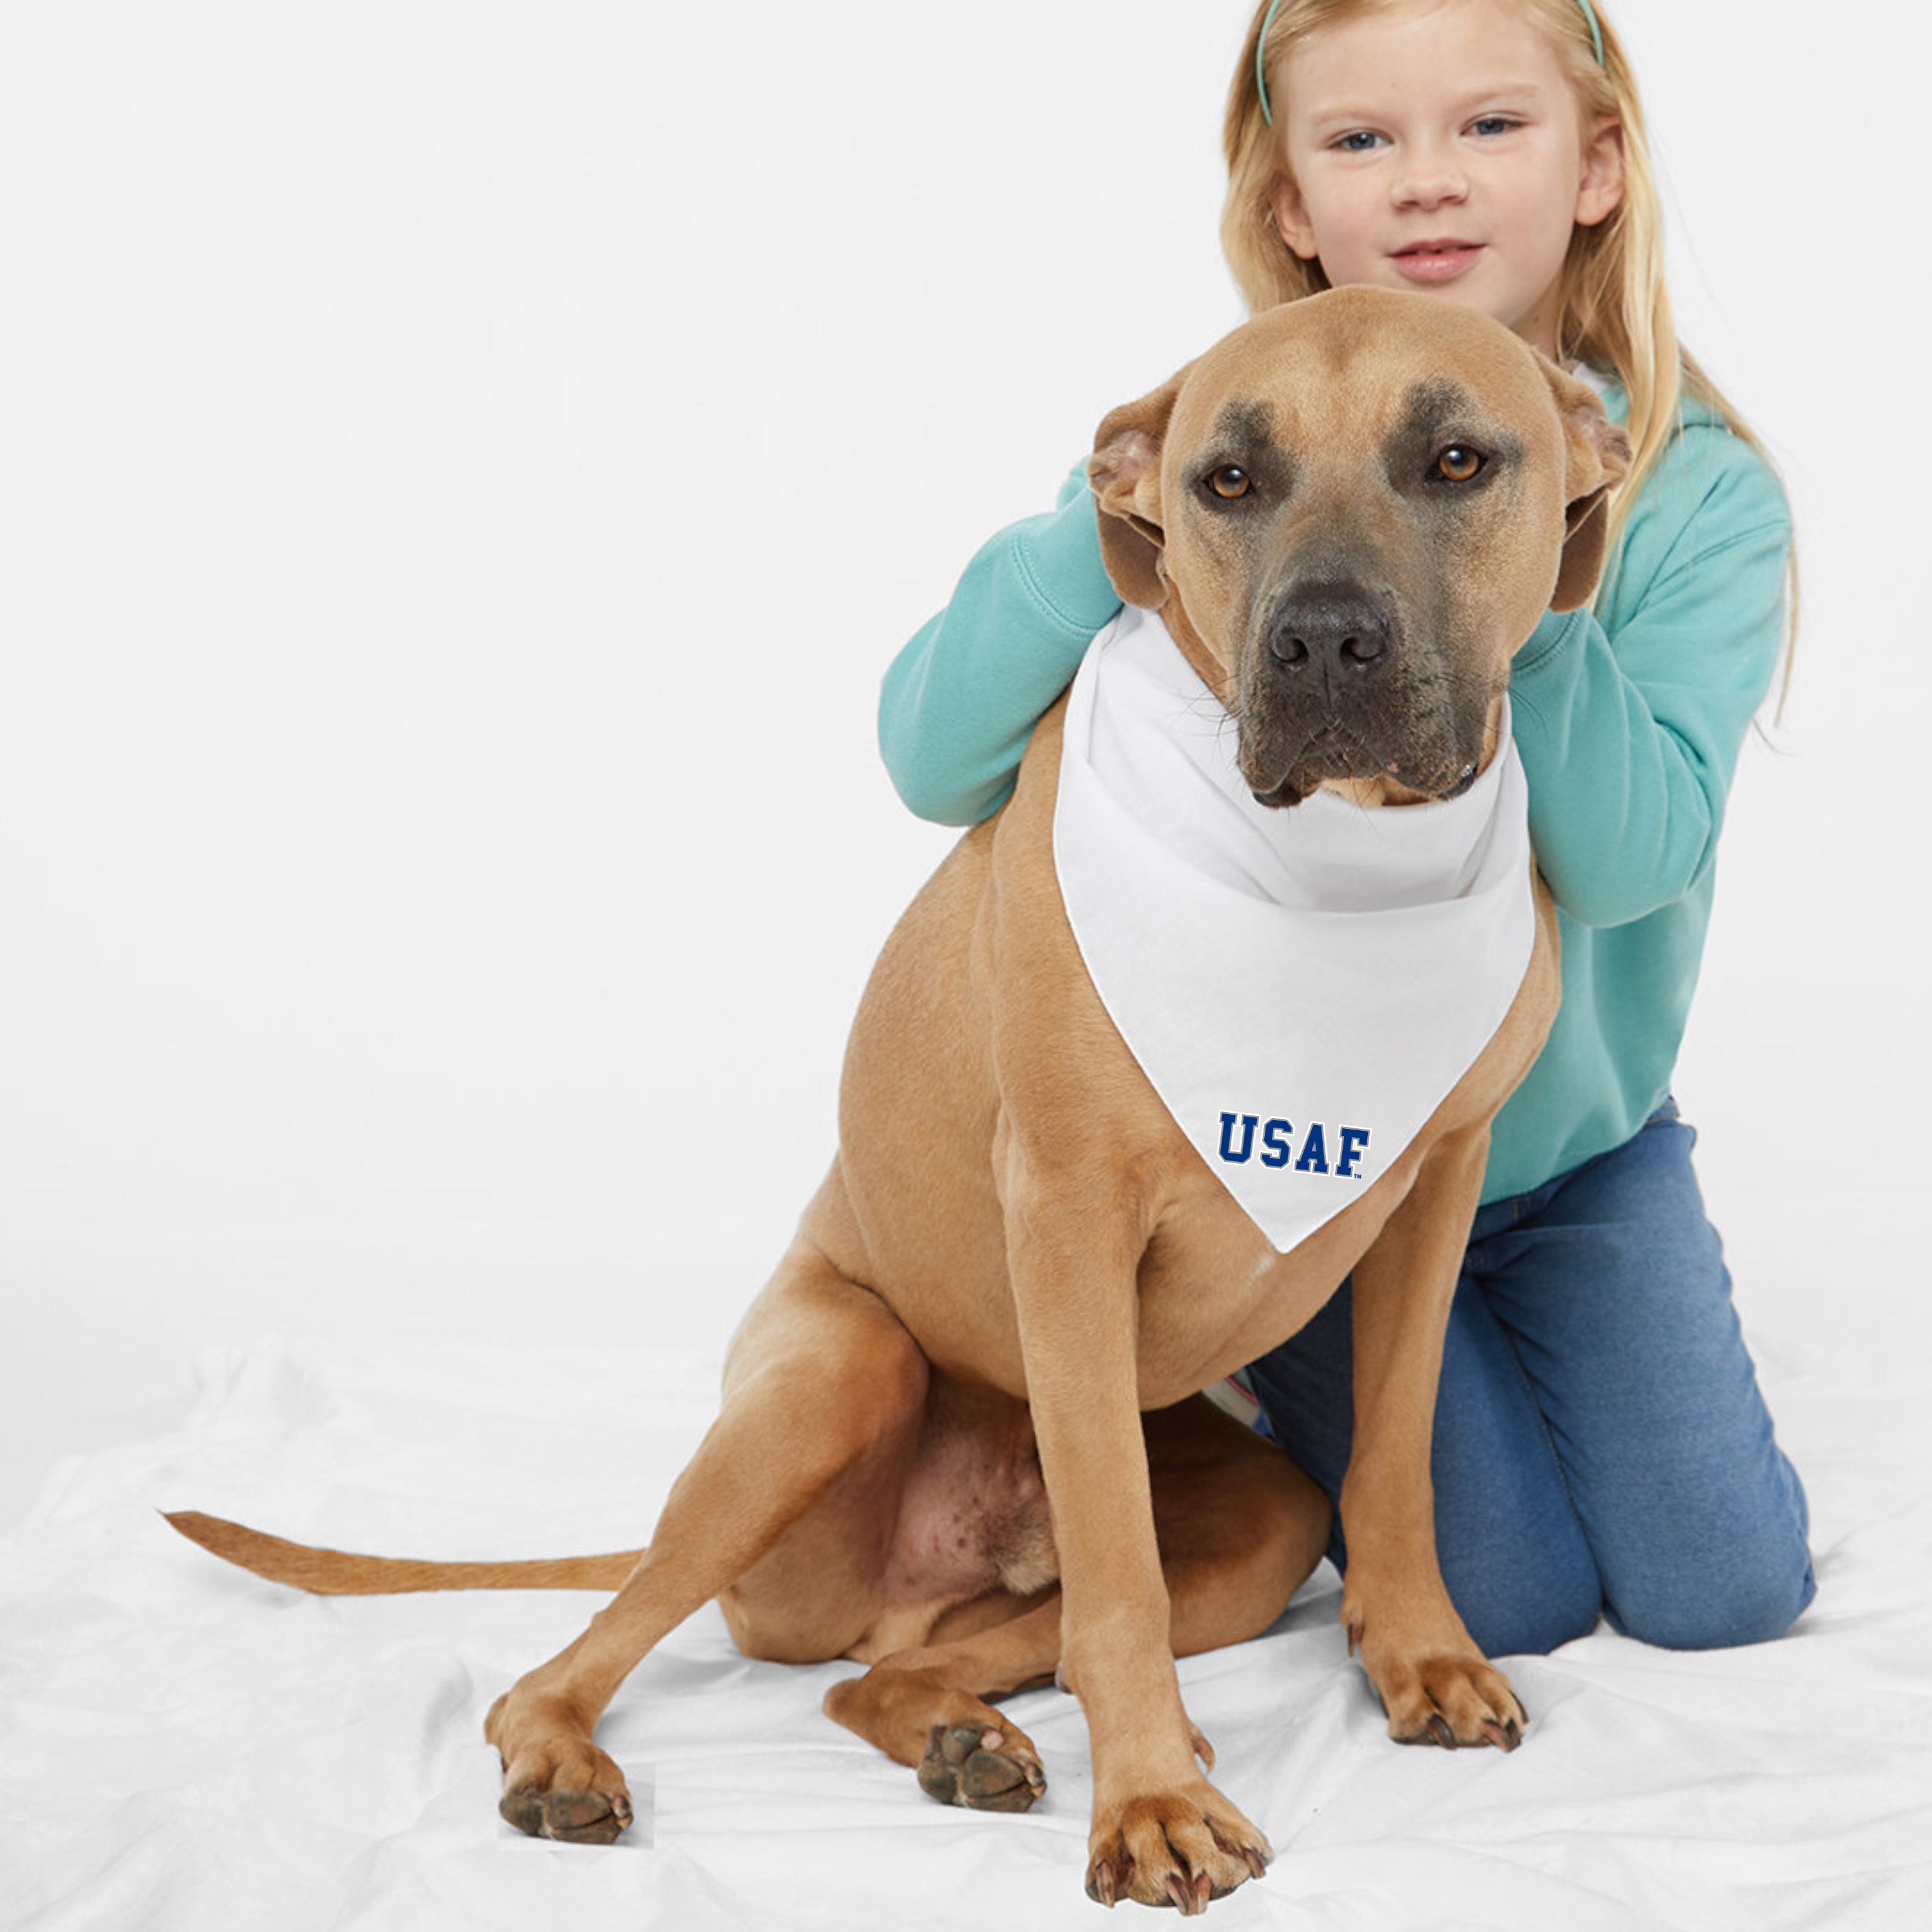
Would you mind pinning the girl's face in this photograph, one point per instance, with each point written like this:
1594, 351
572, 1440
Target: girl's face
1437, 145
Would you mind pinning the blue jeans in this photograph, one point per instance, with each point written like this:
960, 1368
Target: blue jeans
1601, 1448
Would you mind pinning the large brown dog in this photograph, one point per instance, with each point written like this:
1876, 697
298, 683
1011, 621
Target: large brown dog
962, 1442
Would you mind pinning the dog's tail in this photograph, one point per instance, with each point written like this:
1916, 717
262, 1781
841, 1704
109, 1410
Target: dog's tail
339, 1573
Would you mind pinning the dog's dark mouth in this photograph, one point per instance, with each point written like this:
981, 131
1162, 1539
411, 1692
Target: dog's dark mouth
1333, 752
1330, 753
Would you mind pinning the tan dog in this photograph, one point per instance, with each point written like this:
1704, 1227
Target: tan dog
961, 1440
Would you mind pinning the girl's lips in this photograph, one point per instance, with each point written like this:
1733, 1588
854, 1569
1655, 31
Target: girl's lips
1436, 261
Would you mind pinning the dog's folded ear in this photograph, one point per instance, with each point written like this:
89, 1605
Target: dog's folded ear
1597, 455
1124, 473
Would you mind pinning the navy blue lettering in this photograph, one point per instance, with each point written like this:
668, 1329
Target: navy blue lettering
1277, 1137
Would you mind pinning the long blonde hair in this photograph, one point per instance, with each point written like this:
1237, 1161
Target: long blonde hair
1615, 313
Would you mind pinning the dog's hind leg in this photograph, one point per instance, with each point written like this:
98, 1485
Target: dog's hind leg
1240, 1529
927, 1707
823, 1384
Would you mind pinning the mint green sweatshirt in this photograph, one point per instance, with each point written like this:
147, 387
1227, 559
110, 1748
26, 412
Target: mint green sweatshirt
1628, 718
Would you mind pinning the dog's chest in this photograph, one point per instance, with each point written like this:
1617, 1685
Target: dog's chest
1215, 1293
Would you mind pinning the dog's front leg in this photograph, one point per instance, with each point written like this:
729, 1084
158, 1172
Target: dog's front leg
1161, 1834
1435, 1685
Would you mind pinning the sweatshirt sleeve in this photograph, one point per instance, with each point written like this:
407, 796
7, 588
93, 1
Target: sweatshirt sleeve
960, 701
1629, 736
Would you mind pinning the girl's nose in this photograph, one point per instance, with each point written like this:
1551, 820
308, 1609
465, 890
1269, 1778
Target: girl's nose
1430, 178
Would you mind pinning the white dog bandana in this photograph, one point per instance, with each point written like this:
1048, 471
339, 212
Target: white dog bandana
1302, 986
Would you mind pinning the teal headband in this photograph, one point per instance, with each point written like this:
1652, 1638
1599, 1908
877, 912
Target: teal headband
1268, 21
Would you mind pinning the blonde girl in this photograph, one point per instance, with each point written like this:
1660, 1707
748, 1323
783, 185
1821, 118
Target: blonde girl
1602, 1449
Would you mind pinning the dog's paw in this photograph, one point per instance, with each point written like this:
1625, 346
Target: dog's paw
1436, 1686
1454, 1700
576, 1814
556, 1784
984, 1767
1181, 1849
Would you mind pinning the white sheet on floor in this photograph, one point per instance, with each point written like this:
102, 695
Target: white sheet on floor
188, 1749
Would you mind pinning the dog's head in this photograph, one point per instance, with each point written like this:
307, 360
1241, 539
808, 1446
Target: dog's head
1352, 511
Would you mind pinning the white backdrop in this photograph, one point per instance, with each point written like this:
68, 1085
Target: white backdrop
463, 468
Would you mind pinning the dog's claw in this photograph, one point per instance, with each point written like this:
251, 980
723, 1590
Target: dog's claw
1504, 1736
1256, 1864
1189, 1896
1100, 1884
1439, 1730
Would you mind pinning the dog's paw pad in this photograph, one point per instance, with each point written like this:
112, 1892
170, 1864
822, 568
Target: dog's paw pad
980, 1767
572, 1817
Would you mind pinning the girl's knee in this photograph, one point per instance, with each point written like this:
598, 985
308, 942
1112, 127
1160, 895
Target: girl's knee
1719, 1608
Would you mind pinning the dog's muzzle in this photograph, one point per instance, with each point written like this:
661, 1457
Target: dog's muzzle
1322, 697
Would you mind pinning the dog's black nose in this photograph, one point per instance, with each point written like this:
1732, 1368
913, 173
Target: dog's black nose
1334, 628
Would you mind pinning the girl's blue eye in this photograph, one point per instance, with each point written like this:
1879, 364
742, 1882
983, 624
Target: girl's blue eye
1360, 142
1493, 124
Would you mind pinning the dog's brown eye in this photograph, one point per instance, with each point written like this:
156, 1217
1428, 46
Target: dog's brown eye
1230, 482
1458, 463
